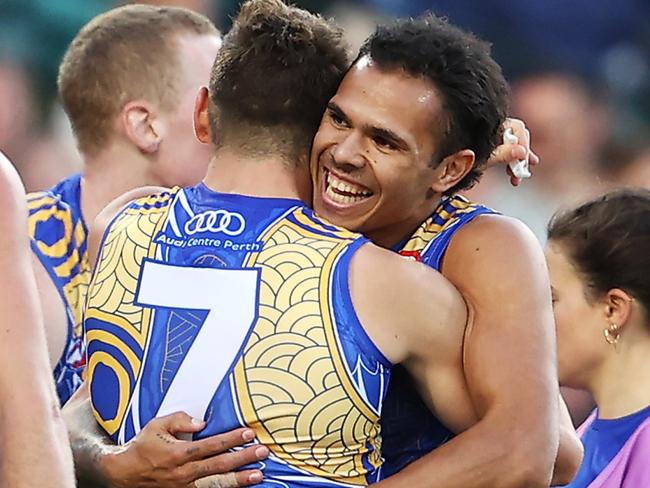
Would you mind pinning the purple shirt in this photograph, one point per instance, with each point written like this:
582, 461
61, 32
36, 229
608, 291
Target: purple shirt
630, 468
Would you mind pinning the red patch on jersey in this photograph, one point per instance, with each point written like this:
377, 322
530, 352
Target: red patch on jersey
80, 363
411, 255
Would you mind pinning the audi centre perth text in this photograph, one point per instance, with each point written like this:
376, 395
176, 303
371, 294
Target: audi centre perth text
209, 242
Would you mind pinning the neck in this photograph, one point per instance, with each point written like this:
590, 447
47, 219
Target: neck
394, 233
109, 174
231, 171
621, 386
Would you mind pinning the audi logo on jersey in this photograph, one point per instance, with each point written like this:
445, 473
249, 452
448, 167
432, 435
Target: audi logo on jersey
229, 223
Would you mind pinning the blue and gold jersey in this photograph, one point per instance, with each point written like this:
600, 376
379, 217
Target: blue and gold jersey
409, 428
59, 239
237, 310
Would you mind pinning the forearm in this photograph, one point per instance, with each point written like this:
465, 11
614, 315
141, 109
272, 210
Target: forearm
90, 444
155, 457
34, 444
509, 365
491, 454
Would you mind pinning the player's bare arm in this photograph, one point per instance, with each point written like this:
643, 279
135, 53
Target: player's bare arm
155, 457
509, 364
571, 451
33, 443
53, 309
417, 318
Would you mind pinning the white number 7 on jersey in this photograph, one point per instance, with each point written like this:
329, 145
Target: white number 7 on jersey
231, 296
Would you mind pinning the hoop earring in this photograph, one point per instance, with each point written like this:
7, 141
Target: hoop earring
612, 333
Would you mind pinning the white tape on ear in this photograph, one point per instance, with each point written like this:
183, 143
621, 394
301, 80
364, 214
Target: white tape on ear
520, 168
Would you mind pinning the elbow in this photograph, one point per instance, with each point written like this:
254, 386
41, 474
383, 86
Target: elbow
530, 464
530, 474
569, 459
564, 477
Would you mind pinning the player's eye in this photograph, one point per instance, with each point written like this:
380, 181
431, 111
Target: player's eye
337, 119
384, 143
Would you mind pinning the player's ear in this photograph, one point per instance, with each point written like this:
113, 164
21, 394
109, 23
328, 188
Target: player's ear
201, 117
141, 126
452, 170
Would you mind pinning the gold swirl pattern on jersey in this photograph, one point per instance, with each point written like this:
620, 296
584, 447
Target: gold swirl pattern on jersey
292, 383
76, 280
111, 295
429, 229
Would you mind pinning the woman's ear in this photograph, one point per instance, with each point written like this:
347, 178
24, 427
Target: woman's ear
618, 307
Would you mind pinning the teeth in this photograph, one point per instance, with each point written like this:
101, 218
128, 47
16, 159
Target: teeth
338, 198
354, 194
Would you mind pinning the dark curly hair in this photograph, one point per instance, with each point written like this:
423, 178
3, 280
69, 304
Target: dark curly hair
608, 241
272, 79
473, 90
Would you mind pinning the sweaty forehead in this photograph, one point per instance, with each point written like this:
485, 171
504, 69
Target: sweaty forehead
389, 97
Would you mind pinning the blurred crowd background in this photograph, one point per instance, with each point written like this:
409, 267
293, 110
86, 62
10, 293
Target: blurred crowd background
579, 72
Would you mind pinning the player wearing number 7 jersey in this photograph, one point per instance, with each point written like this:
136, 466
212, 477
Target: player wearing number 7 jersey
233, 302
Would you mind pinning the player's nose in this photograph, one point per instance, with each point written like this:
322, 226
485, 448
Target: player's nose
349, 151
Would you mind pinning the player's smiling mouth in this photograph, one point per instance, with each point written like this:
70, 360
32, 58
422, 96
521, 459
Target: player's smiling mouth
343, 192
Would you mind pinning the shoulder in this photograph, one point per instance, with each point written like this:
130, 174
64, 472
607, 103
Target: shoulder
399, 276
494, 248
409, 300
111, 210
641, 437
499, 267
634, 458
103, 220
498, 234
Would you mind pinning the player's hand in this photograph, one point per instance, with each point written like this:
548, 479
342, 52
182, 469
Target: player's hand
156, 458
509, 153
